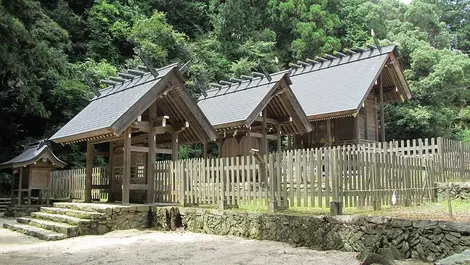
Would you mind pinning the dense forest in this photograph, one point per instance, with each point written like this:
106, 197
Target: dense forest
46, 45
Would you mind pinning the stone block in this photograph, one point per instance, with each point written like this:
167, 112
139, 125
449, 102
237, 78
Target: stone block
336, 208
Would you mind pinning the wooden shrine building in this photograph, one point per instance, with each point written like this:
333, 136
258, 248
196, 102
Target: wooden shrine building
32, 171
142, 113
249, 111
344, 94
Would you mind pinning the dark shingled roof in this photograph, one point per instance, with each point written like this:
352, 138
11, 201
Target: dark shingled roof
34, 153
112, 112
241, 103
236, 103
114, 101
340, 85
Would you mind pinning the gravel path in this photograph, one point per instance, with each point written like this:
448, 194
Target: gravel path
155, 247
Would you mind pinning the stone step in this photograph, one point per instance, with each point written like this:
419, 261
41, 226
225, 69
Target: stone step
86, 207
73, 213
66, 229
40, 233
59, 218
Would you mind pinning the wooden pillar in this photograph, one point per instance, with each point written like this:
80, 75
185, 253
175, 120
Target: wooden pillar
264, 140
376, 118
328, 132
289, 142
88, 171
127, 167
174, 146
111, 172
30, 175
382, 121
20, 186
12, 185
220, 143
204, 150
151, 156
357, 132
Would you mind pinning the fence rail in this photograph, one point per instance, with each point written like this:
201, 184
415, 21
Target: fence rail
371, 174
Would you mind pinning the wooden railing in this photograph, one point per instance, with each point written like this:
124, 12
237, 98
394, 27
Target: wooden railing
372, 174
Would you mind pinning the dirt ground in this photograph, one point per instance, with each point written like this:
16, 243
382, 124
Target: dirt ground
154, 247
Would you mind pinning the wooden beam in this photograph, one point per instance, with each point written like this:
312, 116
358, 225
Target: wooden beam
268, 136
163, 151
143, 126
160, 121
138, 186
126, 167
88, 171
180, 126
162, 130
382, 121
140, 149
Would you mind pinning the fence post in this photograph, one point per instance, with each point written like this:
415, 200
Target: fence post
461, 161
376, 187
336, 206
222, 200
440, 152
180, 171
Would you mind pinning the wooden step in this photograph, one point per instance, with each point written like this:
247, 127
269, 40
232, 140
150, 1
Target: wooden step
73, 213
40, 233
59, 218
66, 229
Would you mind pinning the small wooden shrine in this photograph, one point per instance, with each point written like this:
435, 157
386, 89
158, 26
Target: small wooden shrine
344, 95
144, 112
32, 172
249, 111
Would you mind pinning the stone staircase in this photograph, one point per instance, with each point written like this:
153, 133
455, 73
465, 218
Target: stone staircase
60, 222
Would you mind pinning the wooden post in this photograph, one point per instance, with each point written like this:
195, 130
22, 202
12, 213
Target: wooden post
449, 202
89, 171
12, 185
174, 146
382, 121
204, 150
126, 167
111, 172
357, 132
264, 140
20, 186
289, 142
151, 156
328, 132
220, 144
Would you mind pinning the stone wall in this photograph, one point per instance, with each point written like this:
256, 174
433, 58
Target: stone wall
426, 240
14, 210
458, 190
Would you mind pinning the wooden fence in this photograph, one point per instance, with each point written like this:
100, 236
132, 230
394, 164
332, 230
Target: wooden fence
70, 184
372, 174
